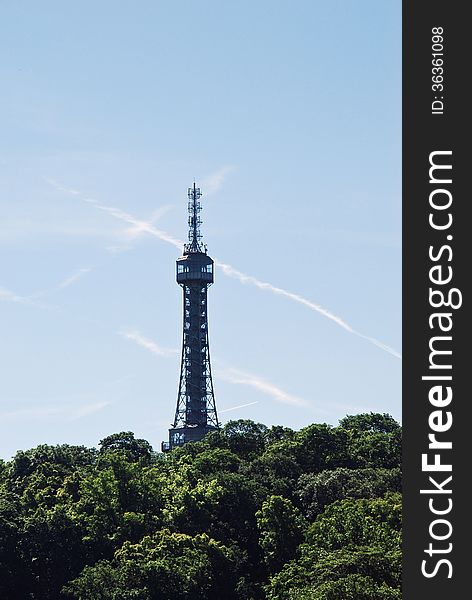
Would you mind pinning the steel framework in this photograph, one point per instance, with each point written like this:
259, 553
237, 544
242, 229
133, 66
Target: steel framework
196, 413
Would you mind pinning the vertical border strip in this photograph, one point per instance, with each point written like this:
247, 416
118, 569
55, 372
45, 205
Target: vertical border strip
436, 282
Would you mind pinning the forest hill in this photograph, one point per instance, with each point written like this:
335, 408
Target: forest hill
248, 513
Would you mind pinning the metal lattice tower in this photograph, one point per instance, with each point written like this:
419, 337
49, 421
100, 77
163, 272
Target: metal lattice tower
195, 414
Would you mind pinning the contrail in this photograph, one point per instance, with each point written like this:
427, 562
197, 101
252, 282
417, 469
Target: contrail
213, 182
262, 285
141, 225
9, 296
236, 407
136, 230
72, 413
32, 299
147, 343
73, 278
228, 270
378, 344
240, 377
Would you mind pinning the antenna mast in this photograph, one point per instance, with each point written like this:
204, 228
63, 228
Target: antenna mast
194, 221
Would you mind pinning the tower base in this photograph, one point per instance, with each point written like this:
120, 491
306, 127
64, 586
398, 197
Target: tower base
178, 436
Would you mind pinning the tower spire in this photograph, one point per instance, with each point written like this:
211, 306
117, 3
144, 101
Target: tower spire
195, 414
194, 221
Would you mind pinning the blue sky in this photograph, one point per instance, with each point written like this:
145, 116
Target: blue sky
288, 117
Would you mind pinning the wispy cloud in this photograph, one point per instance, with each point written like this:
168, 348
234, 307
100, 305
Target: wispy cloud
237, 377
237, 407
227, 374
379, 344
213, 183
262, 385
88, 409
71, 279
69, 413
18, 230
230, 271
9, 296
147, 343
138, 225
142, 228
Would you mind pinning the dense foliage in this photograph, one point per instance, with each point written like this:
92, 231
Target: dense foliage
249, 513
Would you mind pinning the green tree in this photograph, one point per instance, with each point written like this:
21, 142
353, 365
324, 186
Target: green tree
317, 490
352, 537
51, 545
321, 446
370, 422
374, 440
363, 522
134, 448
278, 433
14, 574
277, 469
61, 459
164, 566
329, 572
351, 587
243, 437
215, 460
281, 527
123, 501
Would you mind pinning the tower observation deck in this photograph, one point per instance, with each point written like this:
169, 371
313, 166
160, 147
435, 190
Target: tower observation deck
195, 414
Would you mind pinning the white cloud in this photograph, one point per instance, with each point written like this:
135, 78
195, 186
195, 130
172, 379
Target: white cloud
139, 225
32, 299
73, 278
9, 296
135, 227
213, 183
137, 230
147, 343
89, 409
14, 231
237, 407
242, 378
64, 412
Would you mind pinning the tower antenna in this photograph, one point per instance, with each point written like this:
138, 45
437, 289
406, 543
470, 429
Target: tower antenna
194, 220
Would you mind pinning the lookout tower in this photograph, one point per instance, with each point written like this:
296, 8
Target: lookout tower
195, 414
